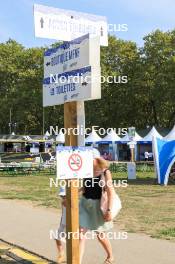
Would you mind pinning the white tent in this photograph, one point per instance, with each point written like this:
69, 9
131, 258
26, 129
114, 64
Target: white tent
136, 139
152, 133
47, 134
92, 138
171, 134
126, 139
60, 138
111, 137
27, 138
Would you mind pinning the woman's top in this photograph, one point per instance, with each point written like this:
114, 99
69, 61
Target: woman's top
92, 188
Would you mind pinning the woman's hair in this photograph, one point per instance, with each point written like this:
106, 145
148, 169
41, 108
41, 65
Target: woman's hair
103, 164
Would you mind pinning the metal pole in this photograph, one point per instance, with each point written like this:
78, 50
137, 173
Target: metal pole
43, 122
10, 124
132, 155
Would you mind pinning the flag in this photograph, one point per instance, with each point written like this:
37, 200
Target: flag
164, 157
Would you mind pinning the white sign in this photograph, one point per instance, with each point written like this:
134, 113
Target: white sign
72, 72
74, 162
72, 55
131, 167
34, 150
60, 24
132, 144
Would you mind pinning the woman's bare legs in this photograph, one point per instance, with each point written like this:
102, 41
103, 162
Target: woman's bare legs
61, 256
59, 247
106, 245
82, 242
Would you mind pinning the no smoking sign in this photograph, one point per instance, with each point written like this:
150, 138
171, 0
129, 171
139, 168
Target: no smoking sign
74, 162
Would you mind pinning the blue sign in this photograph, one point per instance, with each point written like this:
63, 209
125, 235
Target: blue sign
164, 154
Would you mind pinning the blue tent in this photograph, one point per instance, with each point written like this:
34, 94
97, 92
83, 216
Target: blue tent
164, 156
111, 139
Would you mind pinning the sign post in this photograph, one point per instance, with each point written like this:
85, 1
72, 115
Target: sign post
79, 57
72, 212
132, 148
71, 76
75, 164
131, 166
131, 133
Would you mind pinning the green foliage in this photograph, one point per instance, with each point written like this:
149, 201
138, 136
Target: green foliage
146, 99
122, 167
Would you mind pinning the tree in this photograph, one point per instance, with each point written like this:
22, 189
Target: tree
146, 99
158, 67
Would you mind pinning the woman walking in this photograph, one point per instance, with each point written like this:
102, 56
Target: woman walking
91, 216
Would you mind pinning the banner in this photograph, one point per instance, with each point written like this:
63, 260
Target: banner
164, 156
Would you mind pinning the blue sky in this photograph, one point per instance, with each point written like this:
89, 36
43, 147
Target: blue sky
141, 16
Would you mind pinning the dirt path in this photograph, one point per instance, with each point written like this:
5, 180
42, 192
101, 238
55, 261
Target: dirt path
29, 227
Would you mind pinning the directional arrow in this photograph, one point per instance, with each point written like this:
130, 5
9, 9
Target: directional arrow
101, 30
42, 22
84, 83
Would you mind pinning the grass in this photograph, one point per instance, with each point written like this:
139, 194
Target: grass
147, 207
168, 233
29, 187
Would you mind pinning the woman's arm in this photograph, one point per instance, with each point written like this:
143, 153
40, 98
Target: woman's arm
109, 189
81, 190
63, 201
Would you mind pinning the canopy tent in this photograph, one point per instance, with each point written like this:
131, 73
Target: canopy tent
27, 138
136, 138
47, 134
126, 138
11, 138
171, 135
149, 137
92, 138
60, 138
111, 138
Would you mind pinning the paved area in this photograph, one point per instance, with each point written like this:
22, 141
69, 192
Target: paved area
13, 254
29, 227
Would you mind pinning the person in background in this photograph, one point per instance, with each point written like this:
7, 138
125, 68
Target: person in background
62, 226
105, 156
109, 156
146, 154
52, 158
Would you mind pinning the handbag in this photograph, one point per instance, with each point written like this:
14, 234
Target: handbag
116, 202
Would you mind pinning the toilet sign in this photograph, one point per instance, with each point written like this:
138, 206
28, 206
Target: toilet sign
74, 162
72, 72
